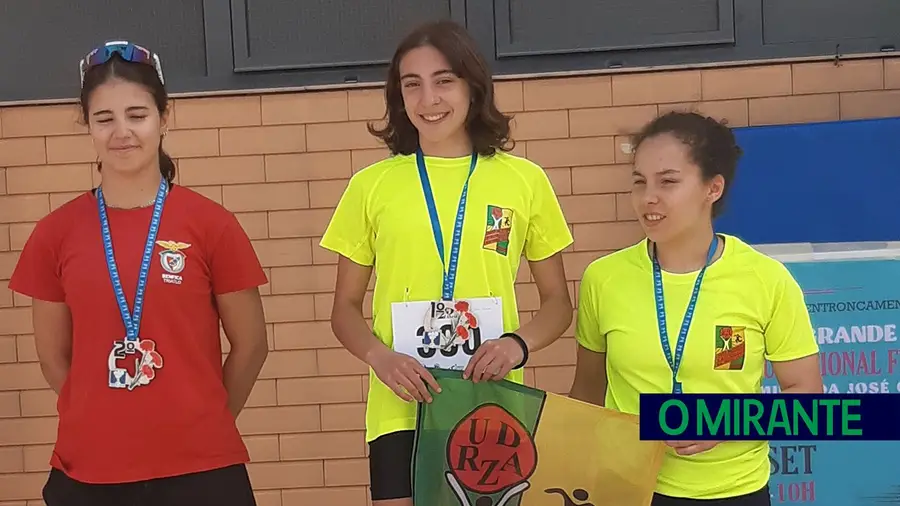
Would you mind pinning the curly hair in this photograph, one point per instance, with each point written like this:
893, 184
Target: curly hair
711, 145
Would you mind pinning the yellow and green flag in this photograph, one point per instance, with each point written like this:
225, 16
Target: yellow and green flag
504, 444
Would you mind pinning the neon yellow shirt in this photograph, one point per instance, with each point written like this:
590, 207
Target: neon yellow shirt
382, 220
746, 298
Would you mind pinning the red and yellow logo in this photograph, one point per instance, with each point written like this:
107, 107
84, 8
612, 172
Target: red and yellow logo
730, 348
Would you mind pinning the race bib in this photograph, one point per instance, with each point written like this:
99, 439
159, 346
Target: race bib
445, 334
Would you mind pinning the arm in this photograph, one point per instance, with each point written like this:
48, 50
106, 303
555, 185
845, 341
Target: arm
590, 381
590, 377
791, 346
791, 343
401, 373
38, 275
494, 359
546, 236
236, 276
350, 234
555, 313
245, 328
799, 376
53, 340
347, 321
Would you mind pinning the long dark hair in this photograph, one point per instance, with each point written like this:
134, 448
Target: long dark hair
488, 128
138, 73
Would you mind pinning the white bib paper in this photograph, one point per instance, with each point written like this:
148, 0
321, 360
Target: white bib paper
445, 334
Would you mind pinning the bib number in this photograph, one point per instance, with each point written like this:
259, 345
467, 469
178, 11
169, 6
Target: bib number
445, 334
144, 357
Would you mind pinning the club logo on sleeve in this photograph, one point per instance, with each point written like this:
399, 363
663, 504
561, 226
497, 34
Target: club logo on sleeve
730, 348
499, 225
172, 259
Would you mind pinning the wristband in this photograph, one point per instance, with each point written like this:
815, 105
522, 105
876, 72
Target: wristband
515, 337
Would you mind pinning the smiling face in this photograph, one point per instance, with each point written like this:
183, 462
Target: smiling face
669, 193
435, 99
125, 126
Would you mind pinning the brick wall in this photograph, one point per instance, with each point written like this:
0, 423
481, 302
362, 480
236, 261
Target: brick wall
281, 162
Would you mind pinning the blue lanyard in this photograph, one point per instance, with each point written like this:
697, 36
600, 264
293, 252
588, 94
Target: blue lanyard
675, 362
132, 322
450, 274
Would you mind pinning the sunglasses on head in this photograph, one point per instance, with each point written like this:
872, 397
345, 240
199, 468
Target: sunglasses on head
129, 52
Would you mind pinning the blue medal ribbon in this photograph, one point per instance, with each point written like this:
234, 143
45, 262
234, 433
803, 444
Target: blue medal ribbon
132, 321
675, 361
449, 284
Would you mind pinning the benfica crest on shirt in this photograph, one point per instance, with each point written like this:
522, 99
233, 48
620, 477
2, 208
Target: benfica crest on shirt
173, 260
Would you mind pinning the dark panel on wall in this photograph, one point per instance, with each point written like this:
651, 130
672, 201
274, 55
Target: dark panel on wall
829, 21
42, 41
317, 34
606, 34
521, 25
219, 45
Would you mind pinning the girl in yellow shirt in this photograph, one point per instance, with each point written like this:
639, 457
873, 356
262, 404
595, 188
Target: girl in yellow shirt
688, 310
443, 223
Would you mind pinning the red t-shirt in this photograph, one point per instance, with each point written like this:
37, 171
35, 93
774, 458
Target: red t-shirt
179, 423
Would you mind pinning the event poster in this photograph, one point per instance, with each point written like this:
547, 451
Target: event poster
855, 309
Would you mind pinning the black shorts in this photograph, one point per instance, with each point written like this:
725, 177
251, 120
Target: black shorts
229, 486
390, 466
759, 498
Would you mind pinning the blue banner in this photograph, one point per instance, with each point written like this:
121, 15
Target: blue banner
829, 161
855, 309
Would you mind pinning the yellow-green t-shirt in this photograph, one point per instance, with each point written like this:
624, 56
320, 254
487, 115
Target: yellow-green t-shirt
745, 298
382, 221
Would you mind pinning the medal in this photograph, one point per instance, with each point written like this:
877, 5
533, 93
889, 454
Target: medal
447, 322
146, 359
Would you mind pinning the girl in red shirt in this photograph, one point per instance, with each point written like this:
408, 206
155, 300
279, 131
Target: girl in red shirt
128, 284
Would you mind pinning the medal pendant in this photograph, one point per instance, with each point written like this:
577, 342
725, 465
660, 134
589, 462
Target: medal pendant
139, 352
448, 323
434, 323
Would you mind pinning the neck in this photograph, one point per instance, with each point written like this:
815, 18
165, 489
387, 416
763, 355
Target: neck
453, 147
687, 252
131, 190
